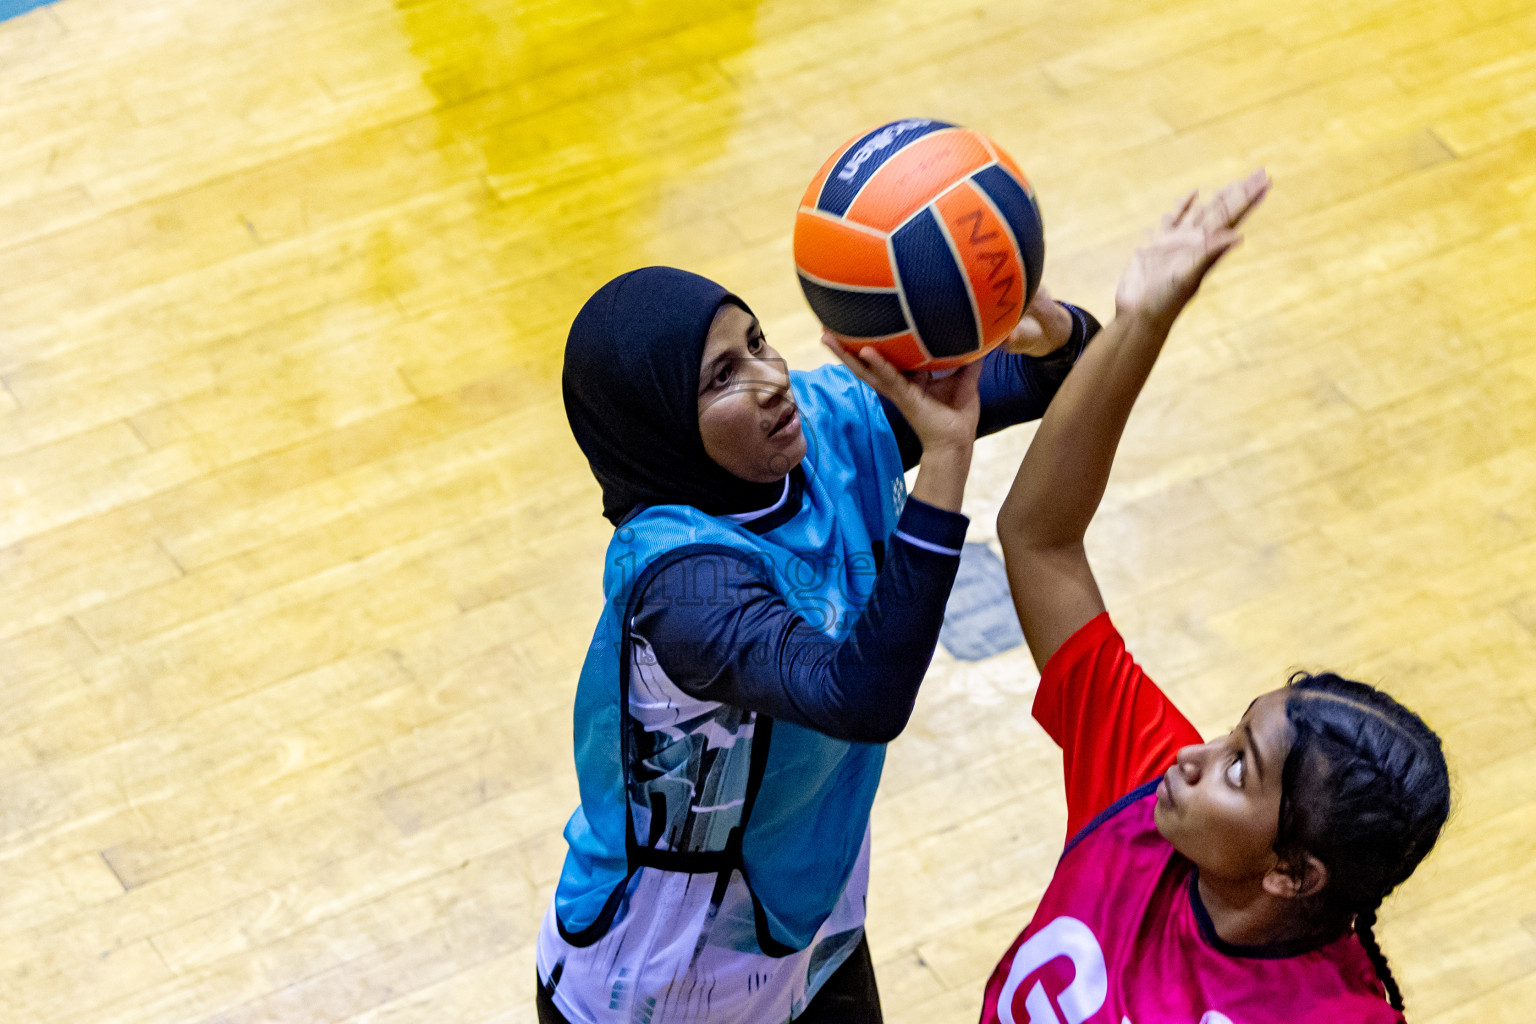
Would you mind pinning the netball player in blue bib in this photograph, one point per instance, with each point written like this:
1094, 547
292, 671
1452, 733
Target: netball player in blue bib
773, 598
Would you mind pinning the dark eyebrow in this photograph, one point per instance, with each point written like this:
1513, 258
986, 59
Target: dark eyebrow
1253, 745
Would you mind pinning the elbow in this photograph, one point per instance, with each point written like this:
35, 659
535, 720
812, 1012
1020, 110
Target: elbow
878, 716
883, 720
1015, 524
881, 728
1026, 540
1008, 518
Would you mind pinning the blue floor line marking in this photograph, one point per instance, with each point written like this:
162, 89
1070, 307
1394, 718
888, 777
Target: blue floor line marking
11, 8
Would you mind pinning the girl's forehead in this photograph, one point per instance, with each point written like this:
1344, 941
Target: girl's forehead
1266, 705
1267, 719
731, 325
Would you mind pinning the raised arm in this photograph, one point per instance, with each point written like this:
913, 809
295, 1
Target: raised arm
1061, 481
720, 631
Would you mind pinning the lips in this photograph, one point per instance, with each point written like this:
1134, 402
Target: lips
790, 416
1165, 787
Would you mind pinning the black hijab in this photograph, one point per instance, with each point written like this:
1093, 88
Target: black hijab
631, 386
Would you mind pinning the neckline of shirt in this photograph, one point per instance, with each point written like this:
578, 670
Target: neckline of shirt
1268, 951
777, 514
747, 517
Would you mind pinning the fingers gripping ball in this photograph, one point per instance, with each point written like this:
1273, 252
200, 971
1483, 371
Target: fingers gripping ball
921, 239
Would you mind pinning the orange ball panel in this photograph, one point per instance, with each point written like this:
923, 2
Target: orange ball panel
912, 177
900, 350
1013, 168
841, 253
988, 258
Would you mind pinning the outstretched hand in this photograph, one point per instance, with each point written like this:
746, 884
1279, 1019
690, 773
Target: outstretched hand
1165, 273
942, 411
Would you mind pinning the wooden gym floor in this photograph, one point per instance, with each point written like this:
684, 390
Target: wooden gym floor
298, 560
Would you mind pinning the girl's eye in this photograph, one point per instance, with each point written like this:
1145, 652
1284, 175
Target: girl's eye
723, 375
755, 344
1235, 770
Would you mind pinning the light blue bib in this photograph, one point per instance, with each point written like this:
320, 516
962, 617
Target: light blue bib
724, 789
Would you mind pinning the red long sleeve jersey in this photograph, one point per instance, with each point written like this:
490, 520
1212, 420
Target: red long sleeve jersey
1120, 936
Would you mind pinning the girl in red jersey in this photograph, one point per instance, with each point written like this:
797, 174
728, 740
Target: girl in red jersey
1229, 882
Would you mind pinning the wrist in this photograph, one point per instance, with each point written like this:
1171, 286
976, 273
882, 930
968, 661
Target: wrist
949, 447
941, 476
1146, 319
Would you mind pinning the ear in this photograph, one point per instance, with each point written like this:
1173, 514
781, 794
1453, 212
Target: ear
1287, 882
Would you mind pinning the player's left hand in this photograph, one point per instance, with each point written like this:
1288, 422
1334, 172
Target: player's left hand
1045, 326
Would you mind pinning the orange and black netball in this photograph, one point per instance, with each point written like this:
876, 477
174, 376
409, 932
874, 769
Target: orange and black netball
922, 240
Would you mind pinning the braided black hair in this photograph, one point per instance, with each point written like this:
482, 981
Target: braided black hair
1365, 790
1365, 931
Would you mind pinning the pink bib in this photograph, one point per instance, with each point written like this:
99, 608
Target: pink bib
1121, 938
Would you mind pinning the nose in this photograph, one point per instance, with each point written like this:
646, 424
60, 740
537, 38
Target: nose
771, 380
1190, 762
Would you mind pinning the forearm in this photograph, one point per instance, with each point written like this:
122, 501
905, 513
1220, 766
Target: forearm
1062, 479
941, 475
866, 686
722, 632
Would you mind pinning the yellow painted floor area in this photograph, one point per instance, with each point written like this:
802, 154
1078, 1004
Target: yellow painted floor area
298, 560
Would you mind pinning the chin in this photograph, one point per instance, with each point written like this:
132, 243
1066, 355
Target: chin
1165, 822
777, 465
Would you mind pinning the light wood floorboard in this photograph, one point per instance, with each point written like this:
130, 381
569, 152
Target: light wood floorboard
298, 559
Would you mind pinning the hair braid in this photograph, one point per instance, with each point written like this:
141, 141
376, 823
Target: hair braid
1365, 790
1365, 930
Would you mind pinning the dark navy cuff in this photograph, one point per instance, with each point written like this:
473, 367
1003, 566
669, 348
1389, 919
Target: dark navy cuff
1084, 327
932, 528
